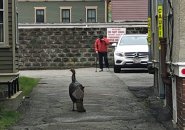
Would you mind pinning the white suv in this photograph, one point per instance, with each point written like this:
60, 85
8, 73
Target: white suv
131, 51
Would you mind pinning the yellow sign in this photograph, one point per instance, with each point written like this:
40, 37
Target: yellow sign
149, 31
160, 21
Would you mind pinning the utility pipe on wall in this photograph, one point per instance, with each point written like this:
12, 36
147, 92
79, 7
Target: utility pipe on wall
164, 74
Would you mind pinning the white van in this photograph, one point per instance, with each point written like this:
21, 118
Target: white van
131, 51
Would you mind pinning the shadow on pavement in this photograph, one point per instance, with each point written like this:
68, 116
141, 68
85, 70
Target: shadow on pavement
133, 71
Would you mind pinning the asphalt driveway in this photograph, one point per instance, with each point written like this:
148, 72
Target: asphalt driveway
108, 102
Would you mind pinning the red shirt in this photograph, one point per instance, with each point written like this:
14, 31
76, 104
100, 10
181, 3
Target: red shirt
101, 45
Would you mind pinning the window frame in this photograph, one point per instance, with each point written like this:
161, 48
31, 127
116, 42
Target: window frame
91, 8
5, 42
65, 8
40, 8
3, 23
17, 22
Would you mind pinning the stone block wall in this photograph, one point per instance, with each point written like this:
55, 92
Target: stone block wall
61, 48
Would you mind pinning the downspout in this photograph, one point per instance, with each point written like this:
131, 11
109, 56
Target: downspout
164, 74
13, 35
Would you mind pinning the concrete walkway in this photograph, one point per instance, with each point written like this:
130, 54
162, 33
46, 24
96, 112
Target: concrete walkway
108, 102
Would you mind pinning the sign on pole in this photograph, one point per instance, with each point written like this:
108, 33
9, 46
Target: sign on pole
160, 21
149, 31
113, 34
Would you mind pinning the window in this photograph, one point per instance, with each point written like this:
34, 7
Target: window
65, 14
17, 32
91, 14
40, 14
109, 11
2, 21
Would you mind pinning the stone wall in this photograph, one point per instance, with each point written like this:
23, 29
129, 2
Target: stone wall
60, 48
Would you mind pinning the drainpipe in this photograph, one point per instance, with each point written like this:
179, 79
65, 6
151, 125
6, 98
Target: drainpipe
164, 74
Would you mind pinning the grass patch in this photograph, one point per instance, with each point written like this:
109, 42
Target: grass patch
9, 117
27, 84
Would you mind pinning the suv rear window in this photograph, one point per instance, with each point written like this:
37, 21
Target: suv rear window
133, 40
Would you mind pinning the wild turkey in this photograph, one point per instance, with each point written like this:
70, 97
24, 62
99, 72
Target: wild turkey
76, 93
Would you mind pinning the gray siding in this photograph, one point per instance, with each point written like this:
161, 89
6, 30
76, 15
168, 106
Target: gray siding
16, 60
6, 64
6, 54
27, 12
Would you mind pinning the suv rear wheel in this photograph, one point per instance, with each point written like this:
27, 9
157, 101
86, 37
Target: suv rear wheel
117, 69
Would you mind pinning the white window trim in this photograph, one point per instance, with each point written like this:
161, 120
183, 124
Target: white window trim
5, 43
91, 7
65, 7
3, 10
44, 8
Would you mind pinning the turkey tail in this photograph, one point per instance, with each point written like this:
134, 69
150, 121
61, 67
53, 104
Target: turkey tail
80, 106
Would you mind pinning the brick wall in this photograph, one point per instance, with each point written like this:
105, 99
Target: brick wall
180, 85
169, 97
60, 48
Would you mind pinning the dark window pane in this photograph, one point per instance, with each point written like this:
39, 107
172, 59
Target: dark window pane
1, 33
65, 21
39, 16
40, 19
1, 4
65, 15
1, 16
91, 15
1, 22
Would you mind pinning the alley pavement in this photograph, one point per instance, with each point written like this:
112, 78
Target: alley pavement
108, 102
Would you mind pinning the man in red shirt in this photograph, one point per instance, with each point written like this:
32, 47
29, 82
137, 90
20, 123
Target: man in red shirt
101, 48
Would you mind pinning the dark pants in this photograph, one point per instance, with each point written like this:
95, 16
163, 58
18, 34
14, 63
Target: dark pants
103, 57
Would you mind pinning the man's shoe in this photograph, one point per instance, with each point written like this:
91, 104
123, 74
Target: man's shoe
100, 70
